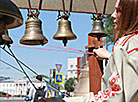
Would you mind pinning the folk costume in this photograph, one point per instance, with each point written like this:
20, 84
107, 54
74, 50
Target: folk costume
120, 79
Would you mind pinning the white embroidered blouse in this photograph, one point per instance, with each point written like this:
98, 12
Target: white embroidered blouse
120, 79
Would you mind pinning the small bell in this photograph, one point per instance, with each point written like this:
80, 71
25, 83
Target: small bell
5, 39
98, 30
33, 33
64, 32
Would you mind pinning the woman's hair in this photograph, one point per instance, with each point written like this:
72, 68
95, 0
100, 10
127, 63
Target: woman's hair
128, 21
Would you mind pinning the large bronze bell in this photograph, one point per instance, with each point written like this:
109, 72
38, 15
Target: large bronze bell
98, 30
64, 31
33, 33
5, 39
10, 14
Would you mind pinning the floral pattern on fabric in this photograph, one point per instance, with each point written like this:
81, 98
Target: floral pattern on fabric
110, 92
114, 83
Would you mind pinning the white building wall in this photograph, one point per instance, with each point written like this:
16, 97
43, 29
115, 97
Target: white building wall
17, 87
72, 68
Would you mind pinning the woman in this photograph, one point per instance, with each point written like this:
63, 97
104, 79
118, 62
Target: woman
120, 79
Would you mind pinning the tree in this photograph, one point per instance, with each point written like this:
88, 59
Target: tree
60, 87
44, 76
109, 30
70, 84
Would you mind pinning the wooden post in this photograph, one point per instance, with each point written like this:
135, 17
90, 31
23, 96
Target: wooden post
78, 68
95, 67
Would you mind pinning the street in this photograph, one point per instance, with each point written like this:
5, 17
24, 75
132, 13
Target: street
12, 99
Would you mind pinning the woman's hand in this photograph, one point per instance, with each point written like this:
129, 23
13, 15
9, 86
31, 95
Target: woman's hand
102, 53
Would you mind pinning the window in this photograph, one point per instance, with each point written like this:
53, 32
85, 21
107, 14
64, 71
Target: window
71, 72
71, 66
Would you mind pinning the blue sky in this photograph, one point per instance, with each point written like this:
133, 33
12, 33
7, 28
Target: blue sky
43, 60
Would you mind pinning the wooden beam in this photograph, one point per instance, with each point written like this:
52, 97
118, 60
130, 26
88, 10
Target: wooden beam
78, 6
95, 67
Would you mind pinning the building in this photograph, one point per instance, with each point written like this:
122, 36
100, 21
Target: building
75, 65
72, 68
20, 87
16, 87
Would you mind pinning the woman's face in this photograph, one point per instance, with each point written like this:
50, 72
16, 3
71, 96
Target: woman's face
116, 14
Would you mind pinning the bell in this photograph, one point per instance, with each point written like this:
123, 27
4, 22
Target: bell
98, 30
33, 33
5, 39
64, 31
10, 14
82, 87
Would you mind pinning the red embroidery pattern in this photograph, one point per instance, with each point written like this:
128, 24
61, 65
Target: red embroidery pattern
135, 49
110, 92
124, 41
129, 38
104, 95
113, 83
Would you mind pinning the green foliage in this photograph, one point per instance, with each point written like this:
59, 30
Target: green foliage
3, 93
70, 84
44, 76
109, 30
60, 87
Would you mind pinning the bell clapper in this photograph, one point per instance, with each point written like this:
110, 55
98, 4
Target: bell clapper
65, 42
98, 37
42, 43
